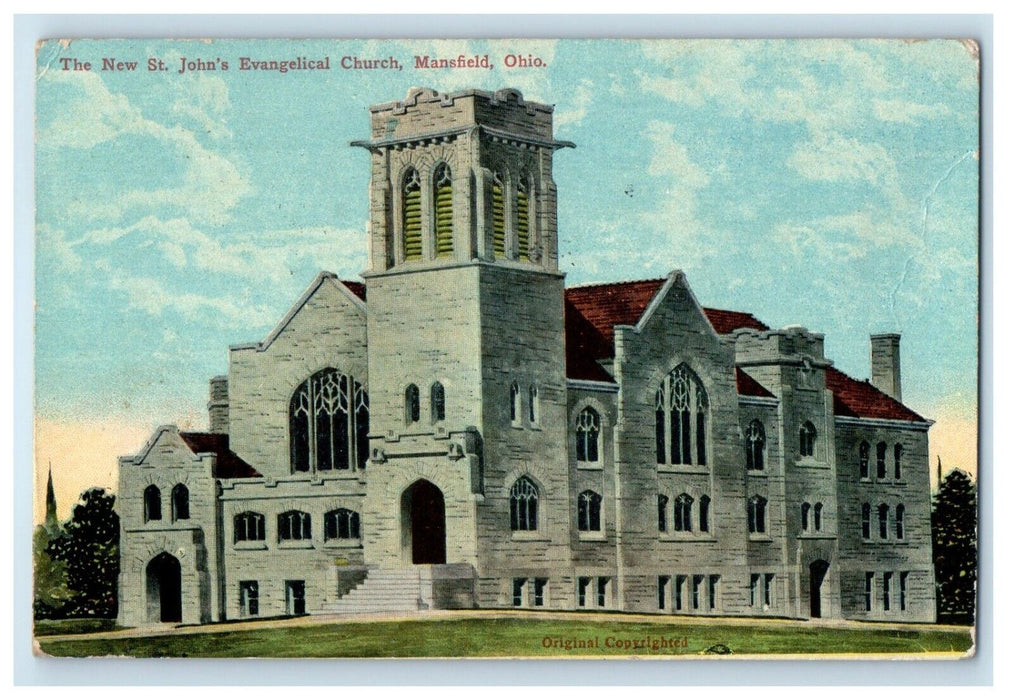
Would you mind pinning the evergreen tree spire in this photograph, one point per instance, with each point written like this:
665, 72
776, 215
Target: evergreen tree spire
51, 520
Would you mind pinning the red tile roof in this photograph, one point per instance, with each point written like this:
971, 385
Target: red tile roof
591, 312
863, 400
227, 464
748, 386
357, 288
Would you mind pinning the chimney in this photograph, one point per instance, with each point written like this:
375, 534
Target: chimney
218, 406
885, 363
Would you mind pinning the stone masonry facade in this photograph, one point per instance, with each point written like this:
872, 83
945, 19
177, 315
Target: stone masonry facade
460, 430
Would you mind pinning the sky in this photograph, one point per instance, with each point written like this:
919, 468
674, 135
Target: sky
832, 184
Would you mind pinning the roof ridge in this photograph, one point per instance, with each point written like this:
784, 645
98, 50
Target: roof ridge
618, 282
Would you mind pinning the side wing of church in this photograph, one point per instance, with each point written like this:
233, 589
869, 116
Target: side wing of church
459, 430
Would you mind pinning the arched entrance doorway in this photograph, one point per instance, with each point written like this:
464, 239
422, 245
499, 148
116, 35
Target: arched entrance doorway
422, 507
818, 572
165, 593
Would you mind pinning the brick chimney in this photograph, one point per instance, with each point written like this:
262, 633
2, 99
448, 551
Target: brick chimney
885, 363
218, 406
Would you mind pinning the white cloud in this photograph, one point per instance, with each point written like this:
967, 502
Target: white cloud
905, 112
833, 158
577, 105
54, 242
148, 295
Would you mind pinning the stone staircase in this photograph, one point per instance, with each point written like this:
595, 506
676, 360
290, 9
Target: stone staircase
383, 590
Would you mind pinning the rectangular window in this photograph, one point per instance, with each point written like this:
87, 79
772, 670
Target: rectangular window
887, 591
769, 590
754, 589
679, 585
602, 592
248, 603
868, 592
539, 592
583, 583
903, 590
518, 594
295, 597
663, 592
695, 593
713, 591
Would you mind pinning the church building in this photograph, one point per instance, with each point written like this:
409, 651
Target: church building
461, 430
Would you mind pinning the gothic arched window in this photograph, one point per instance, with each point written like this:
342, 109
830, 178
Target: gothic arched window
411, 215
682, 521
248, 527
881, 460
864, 460
437, 402
866, 527
524, 221
755, 446
818, 514
411, 404
807, 438
681, 419
294, 525
587, 435
499, 218
341, 524
897, 462
180, 500
589, 511
663, 509
756, 510
329, 421
533, 404
804, 517
704, 514
882, 511
524, 498
443, 210
152, 503
899, 521
515, 403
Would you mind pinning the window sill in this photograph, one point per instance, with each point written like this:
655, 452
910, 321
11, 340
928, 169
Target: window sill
758, 473
528, 536
343, 544
254, 545
591, 536
811, 463
816, 536
590, 466
760, 537
296, 544
691, 469
687, 537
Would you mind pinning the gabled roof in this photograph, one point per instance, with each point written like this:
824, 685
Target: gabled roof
592, 311
858, 399
227, 464
357, 288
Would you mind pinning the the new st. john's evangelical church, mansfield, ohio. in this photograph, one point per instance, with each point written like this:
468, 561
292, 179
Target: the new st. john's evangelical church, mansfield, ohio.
460, 430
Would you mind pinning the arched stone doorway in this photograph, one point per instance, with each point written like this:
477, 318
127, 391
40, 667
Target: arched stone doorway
164, 588
818, 573
425, 534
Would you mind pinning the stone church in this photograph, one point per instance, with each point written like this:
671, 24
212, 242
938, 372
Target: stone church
461, 430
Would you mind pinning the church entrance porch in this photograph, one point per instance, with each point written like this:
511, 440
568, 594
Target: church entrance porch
164, 589
424, 530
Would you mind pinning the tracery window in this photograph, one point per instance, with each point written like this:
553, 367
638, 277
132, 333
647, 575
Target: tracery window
437, 408
341, 524
755, 446
807, 438
756, 510
864, 460
587, 435
499, 218
248, 527
681, 415
329, 423
443, 205
180, 500
524, 497
411, 215
881, 460
524, 239
294, 525
682, 521
152, 503
589, 512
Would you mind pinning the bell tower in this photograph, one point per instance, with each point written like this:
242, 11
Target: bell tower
466, 341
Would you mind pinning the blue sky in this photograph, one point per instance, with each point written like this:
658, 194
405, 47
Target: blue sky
826, 183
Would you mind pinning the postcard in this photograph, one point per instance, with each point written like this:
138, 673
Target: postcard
506, 348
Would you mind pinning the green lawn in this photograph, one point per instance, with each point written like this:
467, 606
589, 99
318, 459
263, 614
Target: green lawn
74, 626
518, 637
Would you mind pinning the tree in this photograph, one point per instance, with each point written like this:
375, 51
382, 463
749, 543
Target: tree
89, 548
52, 594
954, 548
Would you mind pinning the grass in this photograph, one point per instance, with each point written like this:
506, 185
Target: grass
74, 626
507, 637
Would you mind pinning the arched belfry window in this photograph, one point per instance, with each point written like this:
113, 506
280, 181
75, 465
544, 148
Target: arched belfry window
499, 218
587, 435
524, 498
682, 513
524, 221
411, 215
411, 404
681, 419
152, 503
515, 403
756, 514
437, 408
755, 446
329, 423
807, 439
443, 210
180, 502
